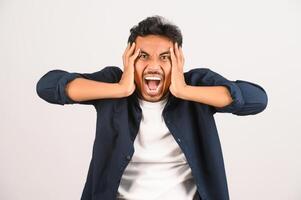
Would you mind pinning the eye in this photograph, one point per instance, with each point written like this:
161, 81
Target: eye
143, 56
165, 57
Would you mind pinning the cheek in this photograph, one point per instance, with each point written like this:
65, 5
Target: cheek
167, 72
167, 68
137, 77
138, 73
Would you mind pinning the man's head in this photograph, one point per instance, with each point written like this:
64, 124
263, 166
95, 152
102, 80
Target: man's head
154, 36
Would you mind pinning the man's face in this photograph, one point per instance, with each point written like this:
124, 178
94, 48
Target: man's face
153, 67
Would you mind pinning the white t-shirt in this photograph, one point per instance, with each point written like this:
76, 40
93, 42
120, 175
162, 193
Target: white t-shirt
158, 168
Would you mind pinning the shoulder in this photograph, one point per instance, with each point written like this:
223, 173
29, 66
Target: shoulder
114, 71
197, 70
195, 75
110, 74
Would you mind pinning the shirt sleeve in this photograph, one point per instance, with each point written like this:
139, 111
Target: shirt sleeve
51, 86
248, 98
253, 99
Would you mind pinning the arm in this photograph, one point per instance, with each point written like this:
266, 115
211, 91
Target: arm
207, 87
247, 98
217, 96
255, 99
81, 89
62, 87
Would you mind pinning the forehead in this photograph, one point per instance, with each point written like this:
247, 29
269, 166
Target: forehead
153, 43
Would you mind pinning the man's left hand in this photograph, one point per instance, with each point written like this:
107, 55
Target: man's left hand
178, 84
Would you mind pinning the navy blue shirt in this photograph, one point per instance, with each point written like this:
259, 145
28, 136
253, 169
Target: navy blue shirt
191, 123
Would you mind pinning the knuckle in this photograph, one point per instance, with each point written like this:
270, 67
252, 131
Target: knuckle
132, 58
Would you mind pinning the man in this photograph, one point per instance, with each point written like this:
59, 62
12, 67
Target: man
156, 136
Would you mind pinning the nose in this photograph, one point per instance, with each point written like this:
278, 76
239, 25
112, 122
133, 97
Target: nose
154, 65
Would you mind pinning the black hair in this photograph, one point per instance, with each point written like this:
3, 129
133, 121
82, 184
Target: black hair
156, 25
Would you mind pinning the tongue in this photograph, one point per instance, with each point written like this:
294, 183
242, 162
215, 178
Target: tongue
152, 84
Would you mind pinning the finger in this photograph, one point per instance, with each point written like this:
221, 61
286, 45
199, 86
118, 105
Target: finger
128, 46
129, 52
179, 57
181, 65
126, 49
133, 57
136, 53
181, 60
173, 58
124, 53
182, 55
177, 52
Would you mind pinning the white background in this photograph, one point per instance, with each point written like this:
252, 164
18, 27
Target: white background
45, 149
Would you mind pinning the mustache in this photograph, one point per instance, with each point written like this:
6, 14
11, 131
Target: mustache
153, 73
160, 74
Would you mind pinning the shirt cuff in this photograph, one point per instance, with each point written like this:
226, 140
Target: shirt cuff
236, 95
61, 88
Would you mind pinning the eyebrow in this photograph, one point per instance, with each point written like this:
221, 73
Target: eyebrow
165, 52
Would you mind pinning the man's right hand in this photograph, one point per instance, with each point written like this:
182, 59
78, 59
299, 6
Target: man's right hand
83, 89
127, 79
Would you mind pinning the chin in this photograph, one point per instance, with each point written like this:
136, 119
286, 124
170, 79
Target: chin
153, 98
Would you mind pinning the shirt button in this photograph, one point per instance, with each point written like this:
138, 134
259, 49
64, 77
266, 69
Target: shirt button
128, 157
179, 140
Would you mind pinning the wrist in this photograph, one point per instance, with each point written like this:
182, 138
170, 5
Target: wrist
123, 90
184, 92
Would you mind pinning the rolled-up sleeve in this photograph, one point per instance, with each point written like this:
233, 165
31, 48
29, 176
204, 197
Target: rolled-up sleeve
52, 86
254, 96
248, 98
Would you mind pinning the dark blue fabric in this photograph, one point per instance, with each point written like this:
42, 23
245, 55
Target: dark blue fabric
191, 123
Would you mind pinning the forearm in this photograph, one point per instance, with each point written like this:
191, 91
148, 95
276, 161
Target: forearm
217, 96
81, 89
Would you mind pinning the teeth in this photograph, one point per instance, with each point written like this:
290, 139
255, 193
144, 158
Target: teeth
153, 78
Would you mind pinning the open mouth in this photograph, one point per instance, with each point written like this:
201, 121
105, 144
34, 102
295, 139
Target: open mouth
152, 84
